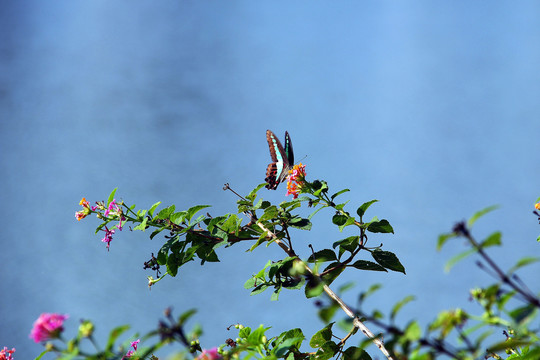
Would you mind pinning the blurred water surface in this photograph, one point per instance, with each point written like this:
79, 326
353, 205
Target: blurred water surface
432, 108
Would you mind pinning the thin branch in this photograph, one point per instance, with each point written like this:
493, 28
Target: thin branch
356, 321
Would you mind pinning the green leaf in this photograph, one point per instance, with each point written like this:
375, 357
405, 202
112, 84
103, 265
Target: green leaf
370, 291
339, 219
523, 262
270, 213
323, 256
492, 240
362, 209
479, 214
111, 196
186, 315
255, 337
523, 314
157, 231
341, 206
166, 213
413, 332
339, 193
153, 208
314, 287
300, 223
260, 240
232, 224
507, 344
316, 211
388, 260
349, 221
291, 339
173, 262
355, 353
327, 351
321, 336
457, 258
382, 226
41, 355
399, 305
367, 265
350, 243
142, 225
258, 289
195, 209
327, 313
114, 334
178, 217
253, 194
320, 186
330, 276
443, 238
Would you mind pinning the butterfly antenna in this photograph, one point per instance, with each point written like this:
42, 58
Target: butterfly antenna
227, 187
305, 156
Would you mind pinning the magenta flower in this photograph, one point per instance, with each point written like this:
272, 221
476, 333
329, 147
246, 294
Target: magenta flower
108, 236
6, 354
130, 352
47, 326
134, 344
211, 354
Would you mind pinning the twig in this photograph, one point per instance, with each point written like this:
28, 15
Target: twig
356, 321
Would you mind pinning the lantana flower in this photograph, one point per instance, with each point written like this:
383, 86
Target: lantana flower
6, 354
47, 326
115, 210
211, 354
81, 214
295, 180
537, 206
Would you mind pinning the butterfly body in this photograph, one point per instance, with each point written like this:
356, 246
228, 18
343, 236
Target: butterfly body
282, 160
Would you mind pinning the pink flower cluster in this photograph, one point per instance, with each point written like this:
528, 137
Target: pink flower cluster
113, 210
6, 354
211, 354
47, 326
295, 180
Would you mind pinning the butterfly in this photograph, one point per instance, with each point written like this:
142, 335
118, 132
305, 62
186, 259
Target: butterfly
283, 160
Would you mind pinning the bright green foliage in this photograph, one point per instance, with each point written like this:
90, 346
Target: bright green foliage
506, 328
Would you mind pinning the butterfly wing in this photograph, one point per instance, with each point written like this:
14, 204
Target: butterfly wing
288, 149
277, 170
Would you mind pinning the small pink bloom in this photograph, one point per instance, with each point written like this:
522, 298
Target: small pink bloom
47, 326
120, 223
128, 354
211, 354
6, 354
112, 208
108, 237
134, 344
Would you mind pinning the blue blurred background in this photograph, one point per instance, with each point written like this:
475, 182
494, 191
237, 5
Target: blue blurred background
430, 107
